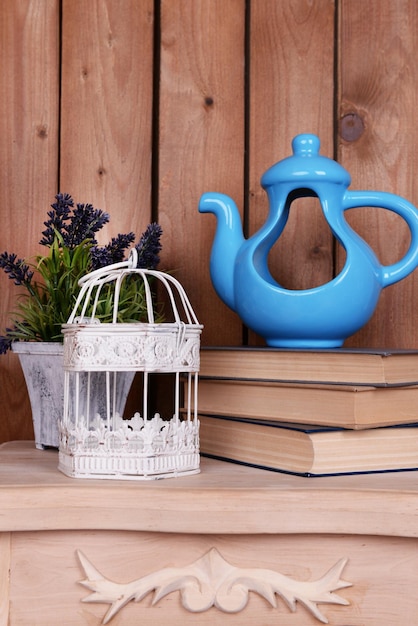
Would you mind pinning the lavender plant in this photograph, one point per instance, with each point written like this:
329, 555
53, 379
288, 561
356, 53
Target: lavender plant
50, 283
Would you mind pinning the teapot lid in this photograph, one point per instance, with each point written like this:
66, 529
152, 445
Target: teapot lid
306, 165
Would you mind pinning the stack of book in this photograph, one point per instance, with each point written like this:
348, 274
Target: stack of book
310, 412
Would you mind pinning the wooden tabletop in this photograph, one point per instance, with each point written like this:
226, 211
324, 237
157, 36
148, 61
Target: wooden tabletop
223, 498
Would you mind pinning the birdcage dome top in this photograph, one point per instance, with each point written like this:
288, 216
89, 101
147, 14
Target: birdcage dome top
151, 345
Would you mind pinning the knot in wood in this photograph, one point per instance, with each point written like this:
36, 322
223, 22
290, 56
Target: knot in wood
351, 127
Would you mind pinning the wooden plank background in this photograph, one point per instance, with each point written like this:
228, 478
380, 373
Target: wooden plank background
29, 157
290, 43
200, 142
378, 92
140, 107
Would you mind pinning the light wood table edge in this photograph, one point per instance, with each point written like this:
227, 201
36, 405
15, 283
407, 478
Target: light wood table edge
223, 498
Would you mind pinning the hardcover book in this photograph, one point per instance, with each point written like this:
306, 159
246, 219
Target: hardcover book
309, 450
342, 366
345, 406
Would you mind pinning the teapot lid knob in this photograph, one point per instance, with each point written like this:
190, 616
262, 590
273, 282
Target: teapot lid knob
306, 145
306, 167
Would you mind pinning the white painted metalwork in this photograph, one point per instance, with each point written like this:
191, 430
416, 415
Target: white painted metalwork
96, 441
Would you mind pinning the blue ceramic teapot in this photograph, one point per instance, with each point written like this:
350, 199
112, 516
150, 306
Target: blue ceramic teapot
324, 316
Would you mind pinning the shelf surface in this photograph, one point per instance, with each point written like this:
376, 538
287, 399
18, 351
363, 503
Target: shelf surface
223, 498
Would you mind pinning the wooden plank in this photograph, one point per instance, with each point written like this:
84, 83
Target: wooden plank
5, 549
377, 144
28, 164
106, 109
201, 142
291, 92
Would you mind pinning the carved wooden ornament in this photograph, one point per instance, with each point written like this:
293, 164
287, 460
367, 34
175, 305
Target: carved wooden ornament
213, 582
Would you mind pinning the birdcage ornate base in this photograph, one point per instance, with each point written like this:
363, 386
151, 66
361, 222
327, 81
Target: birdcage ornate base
131, 450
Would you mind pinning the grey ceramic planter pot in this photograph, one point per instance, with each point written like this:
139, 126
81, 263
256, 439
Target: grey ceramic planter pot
42, 365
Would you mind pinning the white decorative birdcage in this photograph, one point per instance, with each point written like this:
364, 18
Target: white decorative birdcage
96, 441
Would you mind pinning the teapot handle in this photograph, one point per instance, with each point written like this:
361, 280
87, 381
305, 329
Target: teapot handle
381, 199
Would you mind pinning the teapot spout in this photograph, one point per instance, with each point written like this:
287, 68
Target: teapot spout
227, 242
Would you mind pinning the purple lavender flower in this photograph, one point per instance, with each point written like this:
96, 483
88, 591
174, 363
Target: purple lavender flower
84, 223
149, 247
57, 218
113, 252
74, 227
16, 269
5, 342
